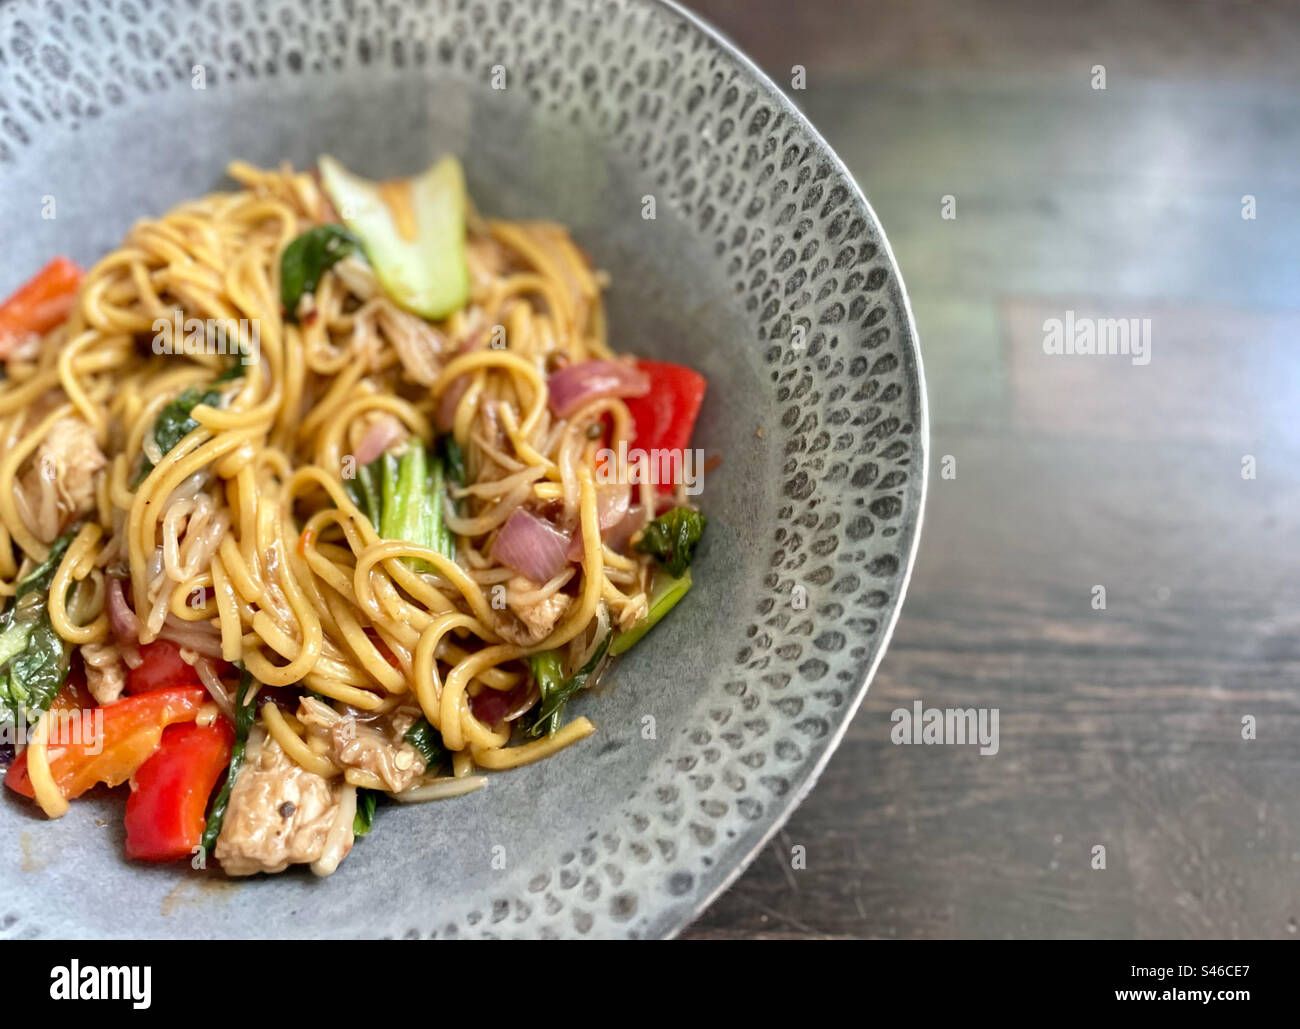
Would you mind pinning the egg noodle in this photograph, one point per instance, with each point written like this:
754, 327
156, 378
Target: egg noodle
242, 542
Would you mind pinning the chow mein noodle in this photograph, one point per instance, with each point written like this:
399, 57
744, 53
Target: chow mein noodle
319, 494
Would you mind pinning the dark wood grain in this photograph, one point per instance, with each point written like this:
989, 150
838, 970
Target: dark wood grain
1119, 727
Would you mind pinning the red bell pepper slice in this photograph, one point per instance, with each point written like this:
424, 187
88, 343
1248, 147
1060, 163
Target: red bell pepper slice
665, 417
170, 791
73, 697
132, 730
40, 304
161, 668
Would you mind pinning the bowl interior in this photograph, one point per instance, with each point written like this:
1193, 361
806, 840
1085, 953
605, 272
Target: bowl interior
761, 267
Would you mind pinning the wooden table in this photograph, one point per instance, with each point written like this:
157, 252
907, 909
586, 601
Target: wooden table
1120, 727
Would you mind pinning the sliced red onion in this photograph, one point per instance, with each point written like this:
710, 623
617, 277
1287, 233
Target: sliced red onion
492, 706
445, 416
523, 704
121, 618
578, 384
617, 537
611, 508
382, 433
532, 546
196, 636
611, 504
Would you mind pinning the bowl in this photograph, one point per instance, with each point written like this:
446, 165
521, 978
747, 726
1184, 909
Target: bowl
736, 242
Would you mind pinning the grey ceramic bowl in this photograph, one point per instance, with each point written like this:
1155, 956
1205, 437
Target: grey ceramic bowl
764, 268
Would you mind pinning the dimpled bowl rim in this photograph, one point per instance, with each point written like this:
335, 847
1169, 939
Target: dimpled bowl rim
668, 917
777, 95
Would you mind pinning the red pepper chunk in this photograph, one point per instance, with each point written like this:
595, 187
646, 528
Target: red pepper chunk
132, 729
170, 791
161, 668
665, 417
40, 304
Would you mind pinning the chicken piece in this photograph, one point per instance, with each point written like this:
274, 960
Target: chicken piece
59, 483
529, 619
377, 747
420, 347
105, 671
281, 814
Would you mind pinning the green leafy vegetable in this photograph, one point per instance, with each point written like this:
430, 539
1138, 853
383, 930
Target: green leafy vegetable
548, 673
403, 498
175, 421
33, 657
407, 507
413, 232
16, 626
671, 538
665, 591
453, 458
367, 801
235, 371
245, 712
40, 577
556, 691
428, 741
366, 491
307, 258
39, 672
